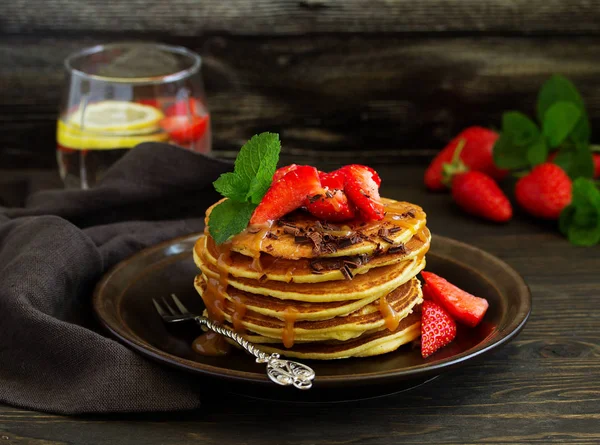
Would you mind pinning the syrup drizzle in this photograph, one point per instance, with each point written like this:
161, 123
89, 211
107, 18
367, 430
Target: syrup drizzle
239, 312
211, 344
390, 316
289, 315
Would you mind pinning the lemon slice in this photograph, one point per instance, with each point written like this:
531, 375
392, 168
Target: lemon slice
114, 116
67, 137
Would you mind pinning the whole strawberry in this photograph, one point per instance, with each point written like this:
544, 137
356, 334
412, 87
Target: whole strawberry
478, 194
437, 328
545, 191
476, 155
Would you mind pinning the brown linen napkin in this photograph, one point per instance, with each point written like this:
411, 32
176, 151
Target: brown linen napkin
53, 356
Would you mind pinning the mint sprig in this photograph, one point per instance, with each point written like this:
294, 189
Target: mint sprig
580, 221
563, 126
245, 187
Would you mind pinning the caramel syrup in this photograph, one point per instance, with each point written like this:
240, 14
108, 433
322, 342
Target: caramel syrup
214, 299
390, 316
289, 315
239, 312
211, 344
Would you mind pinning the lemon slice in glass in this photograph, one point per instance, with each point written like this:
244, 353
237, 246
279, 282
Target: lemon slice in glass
76, 139
112, 116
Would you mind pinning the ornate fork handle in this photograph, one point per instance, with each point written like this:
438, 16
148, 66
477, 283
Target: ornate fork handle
281, 371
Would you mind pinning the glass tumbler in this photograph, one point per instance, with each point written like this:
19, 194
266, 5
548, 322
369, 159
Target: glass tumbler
120, 95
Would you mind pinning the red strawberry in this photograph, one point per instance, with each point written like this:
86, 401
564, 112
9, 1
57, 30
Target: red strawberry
287, 194
281, 172
464, 307
361, 187
476, 154
545, 191
478, 194
595, 158
437, 328
331, 204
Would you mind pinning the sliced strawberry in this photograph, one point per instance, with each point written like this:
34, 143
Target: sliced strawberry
281, 172
331, 206
437, 328
464, 307
361, 187
426, 292
334, 180
191, 107
287, 194
183, 130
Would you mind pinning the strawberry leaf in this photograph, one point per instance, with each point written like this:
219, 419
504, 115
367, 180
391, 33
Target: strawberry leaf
229, 218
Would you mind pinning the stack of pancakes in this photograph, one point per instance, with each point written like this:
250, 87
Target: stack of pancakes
309, 289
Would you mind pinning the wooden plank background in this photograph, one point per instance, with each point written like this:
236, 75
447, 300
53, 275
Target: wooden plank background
378, 80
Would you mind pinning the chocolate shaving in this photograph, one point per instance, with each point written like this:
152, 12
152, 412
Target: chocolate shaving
271, 235
328, 248
294, 231
352, 263
395, 229
269, 247
384, 231
387, 239
399, 248
317, 240
328, 194
253, 229
301, 239
346, 272
263, 278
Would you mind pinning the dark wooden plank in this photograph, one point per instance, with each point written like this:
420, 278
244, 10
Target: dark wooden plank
275, 17
332, 96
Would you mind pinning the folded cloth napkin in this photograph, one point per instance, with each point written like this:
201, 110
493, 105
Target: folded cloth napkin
53, 355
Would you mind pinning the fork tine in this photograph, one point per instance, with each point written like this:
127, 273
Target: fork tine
169, 307
159, 308
179, 304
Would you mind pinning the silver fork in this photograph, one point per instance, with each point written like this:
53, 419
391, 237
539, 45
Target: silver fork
281, 371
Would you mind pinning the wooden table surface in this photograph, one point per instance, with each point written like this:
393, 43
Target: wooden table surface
543, 387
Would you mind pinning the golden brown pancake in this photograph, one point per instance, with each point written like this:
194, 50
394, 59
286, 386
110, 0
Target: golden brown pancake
269, 267
368, 318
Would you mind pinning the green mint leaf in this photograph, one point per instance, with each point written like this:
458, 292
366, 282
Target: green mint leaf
559, 121
229, 218
580, 221
557, 89
231, 186
560, 89
256, 163
537, 153
253, 171
518, 134
576, 159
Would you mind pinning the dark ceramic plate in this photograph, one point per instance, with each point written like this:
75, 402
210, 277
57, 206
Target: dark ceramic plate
123, 303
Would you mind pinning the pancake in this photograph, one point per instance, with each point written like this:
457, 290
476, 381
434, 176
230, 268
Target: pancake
319, 307
269, 267
379, 281
397, 305
369, 344
402, 220
308, 289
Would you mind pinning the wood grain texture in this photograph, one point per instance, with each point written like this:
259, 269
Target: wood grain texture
376, 97
299, 17
542, 388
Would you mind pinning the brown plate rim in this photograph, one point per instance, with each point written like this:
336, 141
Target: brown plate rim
139, 345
